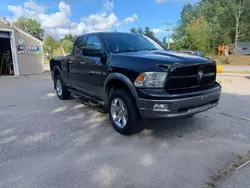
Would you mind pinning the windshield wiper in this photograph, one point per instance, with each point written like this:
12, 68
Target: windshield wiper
150, 49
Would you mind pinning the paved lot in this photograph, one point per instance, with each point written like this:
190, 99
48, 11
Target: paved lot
45, 142
236, 68
240, 179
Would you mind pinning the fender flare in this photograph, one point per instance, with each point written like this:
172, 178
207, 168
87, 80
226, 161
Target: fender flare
122, 78
56, 68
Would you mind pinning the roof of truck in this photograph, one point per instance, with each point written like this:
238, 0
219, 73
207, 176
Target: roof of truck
110, 32
107, 32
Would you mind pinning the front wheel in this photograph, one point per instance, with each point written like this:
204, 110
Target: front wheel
61, 90
122, 112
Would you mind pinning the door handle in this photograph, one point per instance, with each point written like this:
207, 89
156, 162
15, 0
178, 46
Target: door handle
70, 62
83, 62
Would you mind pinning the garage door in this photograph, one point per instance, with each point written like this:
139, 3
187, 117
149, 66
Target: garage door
4, 35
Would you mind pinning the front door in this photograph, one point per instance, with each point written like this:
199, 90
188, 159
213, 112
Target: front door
95, 69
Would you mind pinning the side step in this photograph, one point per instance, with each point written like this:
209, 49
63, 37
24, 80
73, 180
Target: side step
93, 103
89, 100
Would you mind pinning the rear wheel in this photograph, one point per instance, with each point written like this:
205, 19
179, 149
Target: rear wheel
122, 112
61, 90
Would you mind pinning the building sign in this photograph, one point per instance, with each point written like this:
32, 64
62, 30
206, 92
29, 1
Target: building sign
25, 49
21, 42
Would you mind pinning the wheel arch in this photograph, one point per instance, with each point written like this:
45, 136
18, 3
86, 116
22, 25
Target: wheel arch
56, 71
121, 80
115, 78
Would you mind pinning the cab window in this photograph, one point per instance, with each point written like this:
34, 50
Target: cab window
79, 44
94, 42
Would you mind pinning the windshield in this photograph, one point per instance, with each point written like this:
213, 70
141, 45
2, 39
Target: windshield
121, 42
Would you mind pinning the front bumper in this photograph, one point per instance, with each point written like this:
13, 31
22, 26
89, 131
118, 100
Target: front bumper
182, 107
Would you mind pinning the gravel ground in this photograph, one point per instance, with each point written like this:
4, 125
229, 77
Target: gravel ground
46, 142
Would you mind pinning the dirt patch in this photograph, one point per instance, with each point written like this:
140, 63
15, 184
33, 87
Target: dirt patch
225, 81
232, 59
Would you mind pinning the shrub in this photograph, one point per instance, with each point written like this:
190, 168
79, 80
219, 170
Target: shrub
224, 61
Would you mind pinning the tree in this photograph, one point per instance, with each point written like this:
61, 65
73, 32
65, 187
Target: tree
68, 37
240, 9
198, 31
140, 31
180, 36
50, 45
164, 42
227, 21
67, 46
149, 33
133, 30
30, 26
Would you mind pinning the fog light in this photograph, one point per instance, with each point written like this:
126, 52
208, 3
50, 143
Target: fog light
161, 107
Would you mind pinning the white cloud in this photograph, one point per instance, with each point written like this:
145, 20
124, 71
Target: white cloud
160, 1
108, 5
59, 23
33, 6
100, 22
156, 31
131, 19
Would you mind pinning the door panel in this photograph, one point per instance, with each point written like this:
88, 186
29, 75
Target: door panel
77, 69
93, 71
96, 75
76, 63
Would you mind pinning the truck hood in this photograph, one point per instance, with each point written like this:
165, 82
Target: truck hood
160, 56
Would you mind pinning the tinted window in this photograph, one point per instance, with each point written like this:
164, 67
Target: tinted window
130, 42
79, 44
94, 42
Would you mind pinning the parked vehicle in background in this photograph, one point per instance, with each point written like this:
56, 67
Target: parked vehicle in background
195, 53
134, 77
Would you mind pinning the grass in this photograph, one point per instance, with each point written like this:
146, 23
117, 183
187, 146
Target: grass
228, 170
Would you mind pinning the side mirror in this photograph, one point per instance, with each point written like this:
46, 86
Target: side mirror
92, 52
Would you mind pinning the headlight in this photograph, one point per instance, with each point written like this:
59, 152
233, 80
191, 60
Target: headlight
151, 80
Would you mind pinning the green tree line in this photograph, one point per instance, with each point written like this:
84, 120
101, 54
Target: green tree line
209, 23
147, 32
51, 44
30, 26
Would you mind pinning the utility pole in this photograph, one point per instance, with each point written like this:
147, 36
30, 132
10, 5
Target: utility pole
169, 29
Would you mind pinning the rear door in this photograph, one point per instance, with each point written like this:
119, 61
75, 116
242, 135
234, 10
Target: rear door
77, 64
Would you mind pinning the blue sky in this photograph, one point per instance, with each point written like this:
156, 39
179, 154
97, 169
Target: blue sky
79, 16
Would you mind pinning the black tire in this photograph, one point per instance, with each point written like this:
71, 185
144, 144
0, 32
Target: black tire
65, 94
133, 122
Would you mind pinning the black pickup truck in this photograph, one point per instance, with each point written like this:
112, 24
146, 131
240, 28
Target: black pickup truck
131, 76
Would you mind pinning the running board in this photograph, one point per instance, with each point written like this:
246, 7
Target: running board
91, 101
